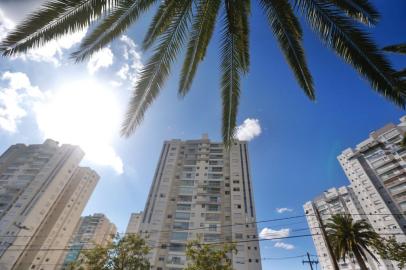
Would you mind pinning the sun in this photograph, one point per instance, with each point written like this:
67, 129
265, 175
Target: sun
84, 113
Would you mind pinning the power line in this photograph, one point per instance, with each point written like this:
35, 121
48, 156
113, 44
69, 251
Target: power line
227, 225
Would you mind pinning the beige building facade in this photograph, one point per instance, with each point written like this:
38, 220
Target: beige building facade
43, 192
134, 223
91, 230
200, 189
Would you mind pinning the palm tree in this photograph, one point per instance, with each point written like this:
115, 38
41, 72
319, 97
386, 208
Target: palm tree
349, 238
191, 23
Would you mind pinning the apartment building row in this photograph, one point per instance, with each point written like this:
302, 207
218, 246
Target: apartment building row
376, 169
43, 192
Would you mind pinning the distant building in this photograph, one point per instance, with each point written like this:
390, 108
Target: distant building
134, 223
43, 192
201, 189
92, 230
376, 169
336, 201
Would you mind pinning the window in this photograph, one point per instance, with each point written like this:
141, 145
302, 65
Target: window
181, 225
179, 236
183, 206
212, 227
213, 207
182, 216
177, 247
186, 190
184, 198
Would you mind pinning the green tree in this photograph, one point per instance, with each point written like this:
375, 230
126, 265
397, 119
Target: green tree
390, 249
351, 239
191, 23
209, 256
127, 253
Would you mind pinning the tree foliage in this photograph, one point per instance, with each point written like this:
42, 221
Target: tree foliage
209, 256
128, 252
190, 24
390, 249
351, 239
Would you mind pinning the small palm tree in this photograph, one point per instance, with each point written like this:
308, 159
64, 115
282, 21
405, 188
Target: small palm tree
191, 23
351, 239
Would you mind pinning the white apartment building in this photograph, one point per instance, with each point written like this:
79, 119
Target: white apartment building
134, 223
376, 169
42, 195
336, 201
201, 190
91, 230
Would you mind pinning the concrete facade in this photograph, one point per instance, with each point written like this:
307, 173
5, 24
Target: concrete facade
201, 190
134, 223
376, 169
42, 194
91, 230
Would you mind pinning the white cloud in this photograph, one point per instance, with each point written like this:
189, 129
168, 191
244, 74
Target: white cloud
284, 245
17, 95
133, 55
283, 210
101, 59
83, 113
268, 233
248, 130
52, 52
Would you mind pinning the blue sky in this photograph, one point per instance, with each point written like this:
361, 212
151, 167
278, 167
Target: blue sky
292, 160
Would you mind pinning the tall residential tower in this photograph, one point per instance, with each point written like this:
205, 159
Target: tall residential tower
201, 189
43, 192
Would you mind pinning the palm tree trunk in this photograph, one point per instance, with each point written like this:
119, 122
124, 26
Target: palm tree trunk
359, 259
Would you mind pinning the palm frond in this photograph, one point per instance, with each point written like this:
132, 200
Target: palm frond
354, 46
287, 30
201, 33
160, 22
360, 10
232, 55
397, 48
53, 20
158, 67
401, 73
120, 18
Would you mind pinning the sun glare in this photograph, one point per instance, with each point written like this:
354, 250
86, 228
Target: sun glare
83, 113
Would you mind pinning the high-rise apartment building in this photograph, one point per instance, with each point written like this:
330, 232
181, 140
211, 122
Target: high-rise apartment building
200, 189
336, 201
376, 169
134, 223
91, 230
42, 195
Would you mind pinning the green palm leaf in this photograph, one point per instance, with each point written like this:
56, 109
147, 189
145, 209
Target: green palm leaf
160, 22
53, 20
360, 10
232, 55
157, 69
121, 17
202, 30
349, 238
354, 46
287, 30
397, 48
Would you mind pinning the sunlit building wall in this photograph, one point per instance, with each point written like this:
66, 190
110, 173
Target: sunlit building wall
91, 230
134, 223
376, 169
42, 195
200, 189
